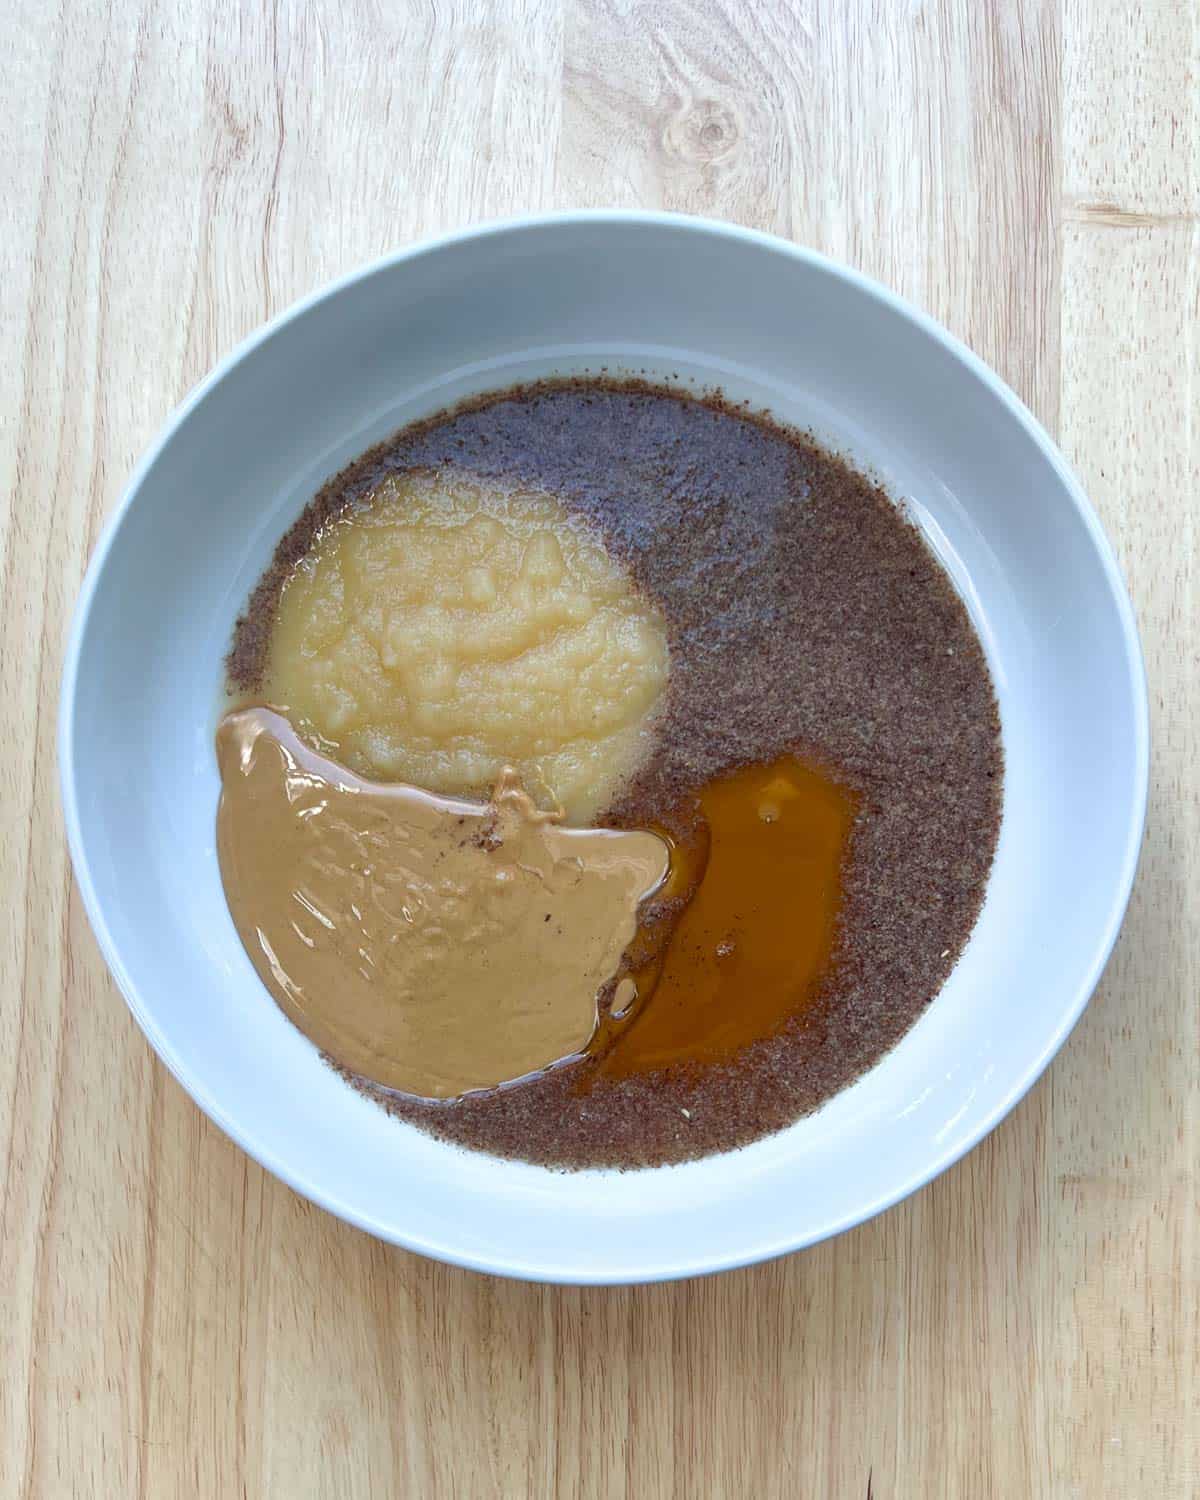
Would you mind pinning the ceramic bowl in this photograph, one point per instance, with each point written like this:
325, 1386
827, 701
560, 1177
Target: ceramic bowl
697, 304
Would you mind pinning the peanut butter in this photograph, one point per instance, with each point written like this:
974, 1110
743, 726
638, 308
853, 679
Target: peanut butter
432, 945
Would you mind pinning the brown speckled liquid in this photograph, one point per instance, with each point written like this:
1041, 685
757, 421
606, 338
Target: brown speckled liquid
810, 631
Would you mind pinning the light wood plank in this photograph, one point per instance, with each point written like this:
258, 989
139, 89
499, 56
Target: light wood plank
1126, 1094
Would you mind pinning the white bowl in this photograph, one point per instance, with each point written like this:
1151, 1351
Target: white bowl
690, 301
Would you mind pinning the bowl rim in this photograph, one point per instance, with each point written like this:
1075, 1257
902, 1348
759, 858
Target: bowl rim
701, 1263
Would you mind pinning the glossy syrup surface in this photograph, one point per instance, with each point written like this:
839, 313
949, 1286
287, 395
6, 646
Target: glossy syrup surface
762, 881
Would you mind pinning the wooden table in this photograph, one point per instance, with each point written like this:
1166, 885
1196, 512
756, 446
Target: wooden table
174, 1321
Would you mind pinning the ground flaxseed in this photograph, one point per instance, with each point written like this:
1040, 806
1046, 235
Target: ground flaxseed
805, 614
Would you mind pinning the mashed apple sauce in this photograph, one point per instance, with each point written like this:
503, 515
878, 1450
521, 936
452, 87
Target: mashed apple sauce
446, 628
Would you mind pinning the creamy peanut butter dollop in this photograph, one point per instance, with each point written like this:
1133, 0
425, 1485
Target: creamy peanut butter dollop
433, 945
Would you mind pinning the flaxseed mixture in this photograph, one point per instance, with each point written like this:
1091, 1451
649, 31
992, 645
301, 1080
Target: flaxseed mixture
805, 615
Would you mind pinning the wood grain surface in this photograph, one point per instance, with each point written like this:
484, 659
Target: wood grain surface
173, 1322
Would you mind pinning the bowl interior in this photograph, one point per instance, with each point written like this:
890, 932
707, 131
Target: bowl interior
695, 305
